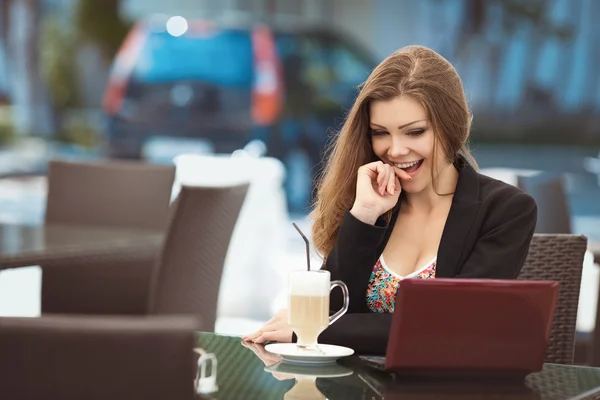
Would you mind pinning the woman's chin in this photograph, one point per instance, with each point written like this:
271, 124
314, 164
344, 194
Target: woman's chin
413, 186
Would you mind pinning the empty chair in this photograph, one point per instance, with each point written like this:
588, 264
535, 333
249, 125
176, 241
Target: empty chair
554, 216
125, 194
74, 357
549, 193
188, 274
130, 195
558, 257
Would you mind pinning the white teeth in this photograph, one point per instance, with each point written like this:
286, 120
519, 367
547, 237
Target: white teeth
406, 165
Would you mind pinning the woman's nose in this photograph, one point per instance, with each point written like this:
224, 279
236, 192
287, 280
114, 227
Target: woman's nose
398, 148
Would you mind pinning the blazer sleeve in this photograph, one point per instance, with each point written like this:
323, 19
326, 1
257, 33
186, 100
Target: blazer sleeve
352, 259
365, 333
500, 251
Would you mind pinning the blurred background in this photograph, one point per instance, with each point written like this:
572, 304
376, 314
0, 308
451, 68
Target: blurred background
151, 79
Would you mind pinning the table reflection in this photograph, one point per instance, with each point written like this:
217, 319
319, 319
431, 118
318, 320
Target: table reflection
306, 378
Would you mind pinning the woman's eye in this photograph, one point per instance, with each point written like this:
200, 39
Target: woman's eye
416, 132
378, 133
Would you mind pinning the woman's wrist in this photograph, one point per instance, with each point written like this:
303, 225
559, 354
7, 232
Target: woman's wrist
365, 214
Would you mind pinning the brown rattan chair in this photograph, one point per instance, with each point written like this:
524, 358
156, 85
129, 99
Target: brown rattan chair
75, 357
550, 194
554, 216
188, 274
131, 195
124, 194
559, 257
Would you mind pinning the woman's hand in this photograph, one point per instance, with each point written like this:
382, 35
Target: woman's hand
377, 190
267, 358
275, 330
259, 350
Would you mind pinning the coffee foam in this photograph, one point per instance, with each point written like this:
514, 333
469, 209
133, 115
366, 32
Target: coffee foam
305, 283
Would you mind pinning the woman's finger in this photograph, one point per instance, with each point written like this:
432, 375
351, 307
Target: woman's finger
385, 172
402, 174
251, 346
391, 186
265, 355
260, 339
383, 179
267, 336
282, 377
253, 335
266, 328
379, 170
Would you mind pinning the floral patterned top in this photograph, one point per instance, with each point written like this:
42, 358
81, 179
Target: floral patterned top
381, 292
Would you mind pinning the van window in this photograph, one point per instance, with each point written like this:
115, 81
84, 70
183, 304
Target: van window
223, 58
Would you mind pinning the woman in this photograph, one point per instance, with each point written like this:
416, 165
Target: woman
400, 198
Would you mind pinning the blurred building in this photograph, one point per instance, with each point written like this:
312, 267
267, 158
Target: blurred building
530, 61
534, 63
350, 15
504, 55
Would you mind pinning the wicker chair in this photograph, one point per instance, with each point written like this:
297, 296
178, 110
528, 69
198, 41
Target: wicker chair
559, 257
188, 274
123, 194
554, 216
129, 195
550, 194
75, 357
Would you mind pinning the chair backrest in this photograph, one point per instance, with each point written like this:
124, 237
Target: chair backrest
125, 194
61, 357
549, 193
559, 257
188, 275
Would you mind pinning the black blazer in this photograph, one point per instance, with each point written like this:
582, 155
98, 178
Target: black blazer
487, 235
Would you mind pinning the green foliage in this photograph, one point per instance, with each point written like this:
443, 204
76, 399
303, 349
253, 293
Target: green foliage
7, 132
58, 63
77, 131
99, 22
94, 22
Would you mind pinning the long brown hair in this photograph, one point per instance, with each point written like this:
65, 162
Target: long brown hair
413, 71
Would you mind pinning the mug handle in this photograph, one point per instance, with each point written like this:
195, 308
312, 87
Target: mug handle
207, 384
346, 295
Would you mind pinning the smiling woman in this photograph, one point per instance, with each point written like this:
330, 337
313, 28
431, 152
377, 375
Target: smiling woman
400, 198
405, 145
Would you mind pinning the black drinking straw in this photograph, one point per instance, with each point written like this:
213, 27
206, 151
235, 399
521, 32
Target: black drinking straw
307, 246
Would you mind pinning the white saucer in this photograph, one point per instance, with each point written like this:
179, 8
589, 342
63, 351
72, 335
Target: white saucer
291, 353
313, 371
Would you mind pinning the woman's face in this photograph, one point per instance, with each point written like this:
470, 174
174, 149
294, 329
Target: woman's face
402, 136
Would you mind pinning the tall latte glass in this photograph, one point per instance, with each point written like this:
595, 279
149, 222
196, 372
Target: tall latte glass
308, 313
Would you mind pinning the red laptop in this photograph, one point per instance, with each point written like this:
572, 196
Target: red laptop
476, 326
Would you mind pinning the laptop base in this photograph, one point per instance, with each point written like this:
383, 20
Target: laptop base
378, 363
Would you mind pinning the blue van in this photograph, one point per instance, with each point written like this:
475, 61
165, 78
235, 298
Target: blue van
217, 87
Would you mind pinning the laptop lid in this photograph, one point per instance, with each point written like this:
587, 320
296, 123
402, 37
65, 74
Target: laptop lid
471, 325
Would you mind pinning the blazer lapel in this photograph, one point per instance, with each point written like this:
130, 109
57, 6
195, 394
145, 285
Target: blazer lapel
463, 211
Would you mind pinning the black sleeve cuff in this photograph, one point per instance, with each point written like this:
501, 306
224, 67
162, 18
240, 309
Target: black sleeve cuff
354, 232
